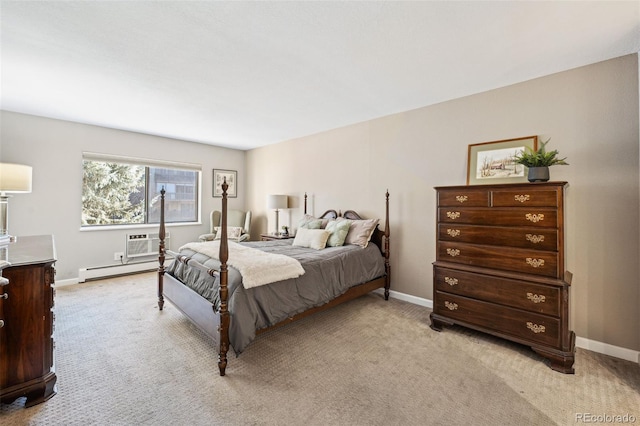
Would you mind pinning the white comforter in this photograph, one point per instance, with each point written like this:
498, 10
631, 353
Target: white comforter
256, 266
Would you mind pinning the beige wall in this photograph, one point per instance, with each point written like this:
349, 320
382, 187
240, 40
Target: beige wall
590, 114
54, 149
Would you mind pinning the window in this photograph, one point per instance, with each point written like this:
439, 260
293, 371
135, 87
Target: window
123, 191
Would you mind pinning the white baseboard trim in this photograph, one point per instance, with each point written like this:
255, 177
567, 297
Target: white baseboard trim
581, 342
408, 298
64, 283
607, 349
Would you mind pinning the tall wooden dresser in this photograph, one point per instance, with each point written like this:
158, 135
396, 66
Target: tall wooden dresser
500, 266
26, 303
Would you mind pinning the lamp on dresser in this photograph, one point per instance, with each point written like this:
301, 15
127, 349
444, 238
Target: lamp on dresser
277, 203
14, 178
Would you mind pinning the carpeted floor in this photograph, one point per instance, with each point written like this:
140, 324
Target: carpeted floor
120, 361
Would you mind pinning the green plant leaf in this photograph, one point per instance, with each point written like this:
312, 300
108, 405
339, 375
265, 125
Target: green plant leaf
539, 158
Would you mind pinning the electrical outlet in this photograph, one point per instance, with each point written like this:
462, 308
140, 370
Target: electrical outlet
119, 255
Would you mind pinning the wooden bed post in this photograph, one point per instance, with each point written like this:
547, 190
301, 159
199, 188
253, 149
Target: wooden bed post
387, 266
224, 293
161, 250
305, 203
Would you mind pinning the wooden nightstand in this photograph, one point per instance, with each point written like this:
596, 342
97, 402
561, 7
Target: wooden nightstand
272, 237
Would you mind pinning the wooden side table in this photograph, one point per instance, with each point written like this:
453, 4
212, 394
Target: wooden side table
273, 237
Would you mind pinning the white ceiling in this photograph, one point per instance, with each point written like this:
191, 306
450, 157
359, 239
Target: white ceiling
248, 74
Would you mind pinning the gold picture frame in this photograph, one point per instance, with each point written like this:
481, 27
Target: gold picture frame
492, 162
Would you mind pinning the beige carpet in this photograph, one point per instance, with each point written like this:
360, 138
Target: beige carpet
120, 361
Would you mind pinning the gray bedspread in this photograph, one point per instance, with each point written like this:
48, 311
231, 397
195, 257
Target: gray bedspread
328, 273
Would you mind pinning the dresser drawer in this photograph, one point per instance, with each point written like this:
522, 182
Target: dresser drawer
535, 262
531, 238
467, 197
543, 299
530, 326
525, 198
534, 217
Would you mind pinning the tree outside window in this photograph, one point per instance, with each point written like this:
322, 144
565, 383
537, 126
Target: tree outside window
128, 194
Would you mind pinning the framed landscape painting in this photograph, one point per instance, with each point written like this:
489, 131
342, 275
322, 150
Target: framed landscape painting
492, 162
232, 180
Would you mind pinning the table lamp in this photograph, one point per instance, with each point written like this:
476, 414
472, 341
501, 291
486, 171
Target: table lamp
277, 202
14, 178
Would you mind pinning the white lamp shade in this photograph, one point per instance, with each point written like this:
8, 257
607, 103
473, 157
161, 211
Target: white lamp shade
277, 202
15, 178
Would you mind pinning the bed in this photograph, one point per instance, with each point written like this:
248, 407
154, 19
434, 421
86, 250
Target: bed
202, 284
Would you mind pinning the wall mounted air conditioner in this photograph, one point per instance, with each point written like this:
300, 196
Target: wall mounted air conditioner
144, 244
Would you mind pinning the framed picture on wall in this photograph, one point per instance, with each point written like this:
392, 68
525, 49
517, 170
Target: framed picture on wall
219, 176
492, 162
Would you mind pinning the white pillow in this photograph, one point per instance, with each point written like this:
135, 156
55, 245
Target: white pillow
360, 231
311, 238
233, 232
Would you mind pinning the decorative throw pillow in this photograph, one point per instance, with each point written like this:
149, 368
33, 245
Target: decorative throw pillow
311, 238
309, 222
360, 232
233, 232
307, 218
339, 230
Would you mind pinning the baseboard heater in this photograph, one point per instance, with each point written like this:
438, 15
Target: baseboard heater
97, 272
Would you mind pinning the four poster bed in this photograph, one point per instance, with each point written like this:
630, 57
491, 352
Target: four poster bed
231, 301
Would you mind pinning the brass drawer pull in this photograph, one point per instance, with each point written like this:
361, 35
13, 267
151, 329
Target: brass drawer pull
453, 215
522, 198
535, 218
453, 232
536, 263
535, 239
535, 298
536, 328
450, 305
461, 198
451, 281
453, 252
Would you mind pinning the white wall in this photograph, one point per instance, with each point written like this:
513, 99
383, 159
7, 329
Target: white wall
54, 149
590, 114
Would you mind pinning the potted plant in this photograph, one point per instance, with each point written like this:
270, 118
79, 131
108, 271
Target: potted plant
285, 231
538, 161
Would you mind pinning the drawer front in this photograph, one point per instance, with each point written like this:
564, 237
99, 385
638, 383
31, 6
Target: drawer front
529, 238
525, 198
515, 322
466, 197
532, 297
544, 263
534, 217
